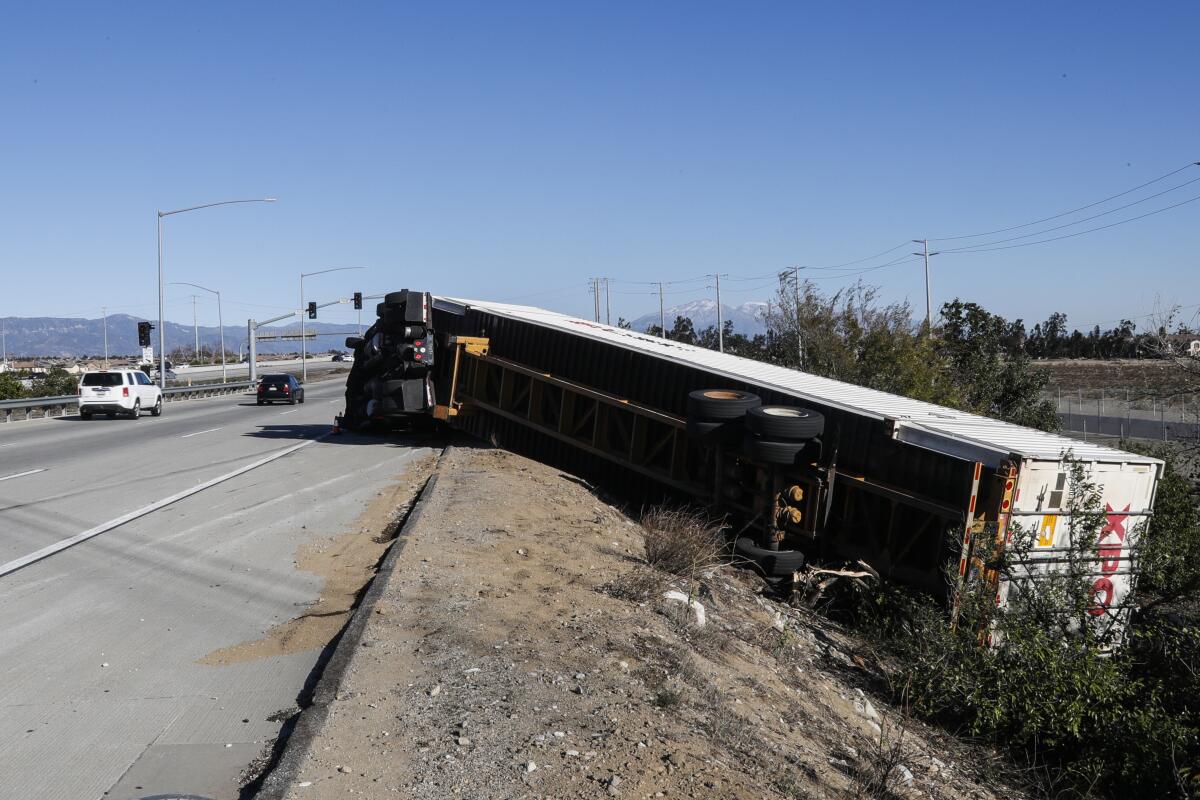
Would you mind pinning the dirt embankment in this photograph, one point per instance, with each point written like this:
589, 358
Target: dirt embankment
522, 649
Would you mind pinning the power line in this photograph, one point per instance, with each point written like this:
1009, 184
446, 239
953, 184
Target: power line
1076, 222
1065, 213
985, 249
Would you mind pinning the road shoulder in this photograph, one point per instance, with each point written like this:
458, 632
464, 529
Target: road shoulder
516, 645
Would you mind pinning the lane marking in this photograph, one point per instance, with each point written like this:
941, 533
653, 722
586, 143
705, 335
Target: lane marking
59, 546
293, 411
331, 402
23, 474
197, 433
10, 444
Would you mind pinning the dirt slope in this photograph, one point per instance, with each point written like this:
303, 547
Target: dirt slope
522, 650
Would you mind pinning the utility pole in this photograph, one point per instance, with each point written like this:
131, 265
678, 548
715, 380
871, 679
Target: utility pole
662, 314
104, 314
4, 343
607, 304
720, 321
928, 304
799, 327
596, 297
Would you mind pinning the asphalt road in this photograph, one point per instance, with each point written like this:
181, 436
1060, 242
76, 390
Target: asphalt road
100, 686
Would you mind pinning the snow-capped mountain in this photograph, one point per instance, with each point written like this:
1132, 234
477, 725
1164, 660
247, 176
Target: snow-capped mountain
747, 318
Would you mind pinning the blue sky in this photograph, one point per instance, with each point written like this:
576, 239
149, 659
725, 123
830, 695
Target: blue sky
511, 151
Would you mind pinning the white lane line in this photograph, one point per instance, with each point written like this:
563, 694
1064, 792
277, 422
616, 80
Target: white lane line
23, 474
293, 411
49, 550
331, 402
197, 433
10, 444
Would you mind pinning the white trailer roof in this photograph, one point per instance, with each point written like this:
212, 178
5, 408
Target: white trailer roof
923, 424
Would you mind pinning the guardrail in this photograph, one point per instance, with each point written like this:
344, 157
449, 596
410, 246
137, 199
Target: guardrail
26, 407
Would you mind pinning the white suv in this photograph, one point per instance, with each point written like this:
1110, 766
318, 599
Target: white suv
118, 391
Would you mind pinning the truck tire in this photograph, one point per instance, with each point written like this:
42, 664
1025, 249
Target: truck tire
714, 405
784, 422
772, 563
767, 451
702, 429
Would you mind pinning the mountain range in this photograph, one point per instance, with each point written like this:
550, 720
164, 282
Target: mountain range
67, 337
747, 318
71, 337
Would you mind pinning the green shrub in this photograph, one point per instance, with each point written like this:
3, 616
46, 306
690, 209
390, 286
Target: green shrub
1055, 689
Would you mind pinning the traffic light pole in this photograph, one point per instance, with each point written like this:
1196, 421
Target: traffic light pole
252, 333
303, 340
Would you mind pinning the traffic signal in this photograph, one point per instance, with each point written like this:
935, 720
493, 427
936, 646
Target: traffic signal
312, 310
358, 300
144, 329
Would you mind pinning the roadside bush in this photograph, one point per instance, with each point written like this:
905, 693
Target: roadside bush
1169, 561
10, 386
681, 541
1088, 719
55, 383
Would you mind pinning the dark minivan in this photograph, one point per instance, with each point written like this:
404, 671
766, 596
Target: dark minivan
280, 387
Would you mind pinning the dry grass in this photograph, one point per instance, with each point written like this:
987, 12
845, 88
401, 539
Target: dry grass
638, 585
880, 773
682, 541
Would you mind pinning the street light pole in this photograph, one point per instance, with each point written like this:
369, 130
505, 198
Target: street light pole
162, 338
220, 318
304, 311
104, 313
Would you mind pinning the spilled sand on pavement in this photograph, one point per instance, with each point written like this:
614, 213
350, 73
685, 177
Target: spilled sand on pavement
347, 562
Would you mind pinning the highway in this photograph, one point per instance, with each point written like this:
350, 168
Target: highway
102, 689
208, 372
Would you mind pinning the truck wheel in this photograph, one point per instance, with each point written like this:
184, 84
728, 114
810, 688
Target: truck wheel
766, 451
137, 409
712, 405
157, 410
772, 563
784, 422
700, 428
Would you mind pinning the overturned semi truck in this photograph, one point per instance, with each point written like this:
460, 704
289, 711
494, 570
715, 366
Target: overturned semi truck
803, 467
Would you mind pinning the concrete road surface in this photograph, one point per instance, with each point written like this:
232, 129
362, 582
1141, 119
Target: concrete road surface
101, 689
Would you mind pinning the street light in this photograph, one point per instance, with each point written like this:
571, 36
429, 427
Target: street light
162, 334
303, 341
220, 318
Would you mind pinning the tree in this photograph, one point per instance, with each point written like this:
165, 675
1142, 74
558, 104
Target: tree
992, 381
10, 386
55, 383
683, 331
850, 336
